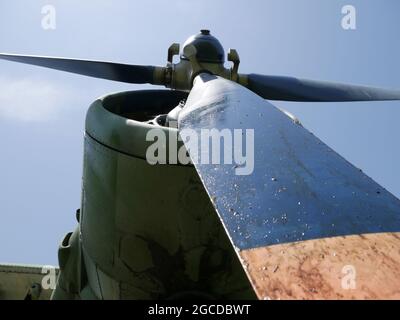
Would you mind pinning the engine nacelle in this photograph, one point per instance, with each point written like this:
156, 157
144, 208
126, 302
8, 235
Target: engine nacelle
146, 231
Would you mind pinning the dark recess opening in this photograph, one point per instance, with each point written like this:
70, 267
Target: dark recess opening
143, 105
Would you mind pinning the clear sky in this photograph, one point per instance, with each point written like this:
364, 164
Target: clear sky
42, 112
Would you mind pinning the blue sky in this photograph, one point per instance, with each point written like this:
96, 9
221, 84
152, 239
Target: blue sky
42, 112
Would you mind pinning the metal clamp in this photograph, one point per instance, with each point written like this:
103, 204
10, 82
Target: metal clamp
233, 56
173, 51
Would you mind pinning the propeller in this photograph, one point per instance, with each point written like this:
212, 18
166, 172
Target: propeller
97, 69
294, 196
204, 53
294, 89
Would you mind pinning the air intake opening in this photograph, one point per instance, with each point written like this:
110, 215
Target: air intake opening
143, 105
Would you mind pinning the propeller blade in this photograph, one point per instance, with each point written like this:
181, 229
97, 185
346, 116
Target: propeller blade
97, 69
303, 90
304, 213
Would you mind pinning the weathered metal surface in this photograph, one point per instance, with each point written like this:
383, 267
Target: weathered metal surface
349, 267
300, 188
149, 231
17, 280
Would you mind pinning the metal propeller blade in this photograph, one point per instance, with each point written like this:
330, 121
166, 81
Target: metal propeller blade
303, 90
97, 69
302, 211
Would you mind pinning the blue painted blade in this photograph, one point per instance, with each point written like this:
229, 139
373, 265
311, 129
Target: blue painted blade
300, 189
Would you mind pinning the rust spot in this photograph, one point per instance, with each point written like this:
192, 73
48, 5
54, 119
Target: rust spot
308, 270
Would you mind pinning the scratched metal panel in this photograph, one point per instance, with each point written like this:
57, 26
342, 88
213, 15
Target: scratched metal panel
16, 280
300, 188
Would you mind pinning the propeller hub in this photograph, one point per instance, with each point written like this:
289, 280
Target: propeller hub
208, 48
